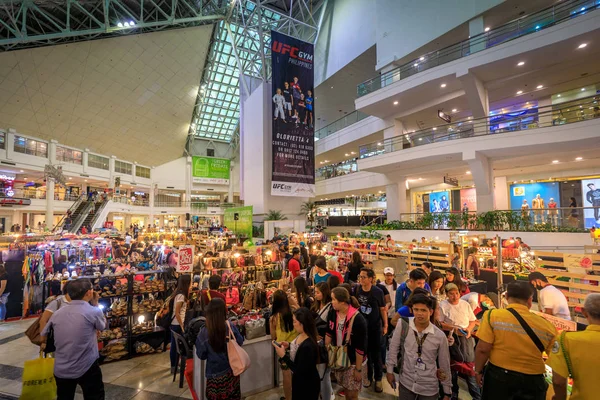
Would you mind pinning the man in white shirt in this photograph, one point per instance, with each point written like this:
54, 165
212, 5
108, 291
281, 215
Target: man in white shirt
551, 301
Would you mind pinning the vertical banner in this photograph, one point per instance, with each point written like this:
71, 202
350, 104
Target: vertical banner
293, 117
239, 220
185, 259
591, 199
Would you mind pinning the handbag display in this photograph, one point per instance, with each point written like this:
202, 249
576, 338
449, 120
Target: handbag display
255, 328
239, 361
338, 359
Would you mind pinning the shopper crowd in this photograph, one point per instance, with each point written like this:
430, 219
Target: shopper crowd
347, 326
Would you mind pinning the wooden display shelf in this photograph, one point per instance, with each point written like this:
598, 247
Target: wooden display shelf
571, 285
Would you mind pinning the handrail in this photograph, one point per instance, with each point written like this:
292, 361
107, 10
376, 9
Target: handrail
340, 124
335, 170
81, 217
72, 209
98, 212
565, 113
522, 26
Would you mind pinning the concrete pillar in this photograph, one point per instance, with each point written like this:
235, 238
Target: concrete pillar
111, 172
85, 158
501, 198
391, 142
477, 94
397, 203
133, 176
52, 151
544, 107
151, 194
230, 189
476, 26
50, 203
482, 172
188, 181
10, 144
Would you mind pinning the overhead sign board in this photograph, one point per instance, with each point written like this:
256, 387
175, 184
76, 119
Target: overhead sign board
450, 181
12, 201
444, 116
210, 170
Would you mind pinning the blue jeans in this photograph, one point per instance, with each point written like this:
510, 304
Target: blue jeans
2, 311
173, 353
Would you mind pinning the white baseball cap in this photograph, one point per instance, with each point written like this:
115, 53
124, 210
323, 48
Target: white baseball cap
388, 270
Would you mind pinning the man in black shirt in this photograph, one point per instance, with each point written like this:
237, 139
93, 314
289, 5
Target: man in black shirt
372, 306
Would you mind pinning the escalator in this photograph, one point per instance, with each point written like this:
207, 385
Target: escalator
73, 213
91, 217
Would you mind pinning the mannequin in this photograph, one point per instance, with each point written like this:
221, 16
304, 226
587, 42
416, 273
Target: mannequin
538, 209
553, 212
525, 210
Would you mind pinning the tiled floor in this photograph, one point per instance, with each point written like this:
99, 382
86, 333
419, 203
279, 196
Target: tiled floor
141, 378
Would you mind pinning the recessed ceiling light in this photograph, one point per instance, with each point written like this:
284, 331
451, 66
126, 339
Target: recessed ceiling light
454, 110
352, 152
520, 63
468, 172
415, 65
70, 178
555, 162
583, 89
434, 128
422, 59
520, 92
346, 154
558, 95
487, 29
332, 87
443, 85
582, 45
540, 86
396, 103
85, 180
22, 171
579, 159
379, 144
326, 161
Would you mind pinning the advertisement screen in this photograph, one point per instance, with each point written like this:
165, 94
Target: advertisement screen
530, 191
439, 202
239, 220
468, 200
590, 188
293, 117
210, 170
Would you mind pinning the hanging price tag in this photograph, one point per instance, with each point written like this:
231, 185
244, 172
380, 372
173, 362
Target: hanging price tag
185, 260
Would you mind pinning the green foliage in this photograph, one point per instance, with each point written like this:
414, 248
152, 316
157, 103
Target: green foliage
309, 209
275, 215
258, 231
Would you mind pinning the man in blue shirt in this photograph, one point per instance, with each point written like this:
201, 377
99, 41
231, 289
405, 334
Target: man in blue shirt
416, 278
76, 355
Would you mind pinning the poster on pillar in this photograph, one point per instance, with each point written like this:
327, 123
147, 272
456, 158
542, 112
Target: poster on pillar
293, 141
591, 200
468, 200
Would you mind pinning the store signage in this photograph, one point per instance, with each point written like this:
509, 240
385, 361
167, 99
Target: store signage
185, 259
12, 201
210, 170
450, 181
9, 192
444, 116
293, 141
242, 226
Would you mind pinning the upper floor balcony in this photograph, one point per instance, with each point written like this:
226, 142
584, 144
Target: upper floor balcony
524, 120
557, 14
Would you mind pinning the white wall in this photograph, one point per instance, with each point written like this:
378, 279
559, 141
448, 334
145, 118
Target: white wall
347, 31
171, 174
406, 25
351, 133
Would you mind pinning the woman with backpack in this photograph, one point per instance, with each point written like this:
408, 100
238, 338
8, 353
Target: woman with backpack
303, 356
347, 327
211, 345
180, 299
282, 330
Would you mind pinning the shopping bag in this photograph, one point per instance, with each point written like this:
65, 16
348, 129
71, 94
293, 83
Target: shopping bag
38, 380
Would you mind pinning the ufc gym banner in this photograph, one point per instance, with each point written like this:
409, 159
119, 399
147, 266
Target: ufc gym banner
293, 117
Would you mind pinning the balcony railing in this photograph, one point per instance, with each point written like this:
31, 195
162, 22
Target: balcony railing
543, 19
340, 124
565, 113
332, 171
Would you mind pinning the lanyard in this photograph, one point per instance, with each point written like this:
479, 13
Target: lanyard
420, 345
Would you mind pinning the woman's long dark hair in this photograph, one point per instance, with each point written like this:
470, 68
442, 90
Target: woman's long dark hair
183, 285
457, 280
326, 292
305, 318
434, 276
301, 288
2, 269
573, 202
356, 259
281, 307
216, 318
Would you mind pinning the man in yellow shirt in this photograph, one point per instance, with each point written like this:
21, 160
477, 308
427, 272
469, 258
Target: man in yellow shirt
512, 340
575, 354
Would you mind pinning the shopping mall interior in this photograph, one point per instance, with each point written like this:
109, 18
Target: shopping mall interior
143, 143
